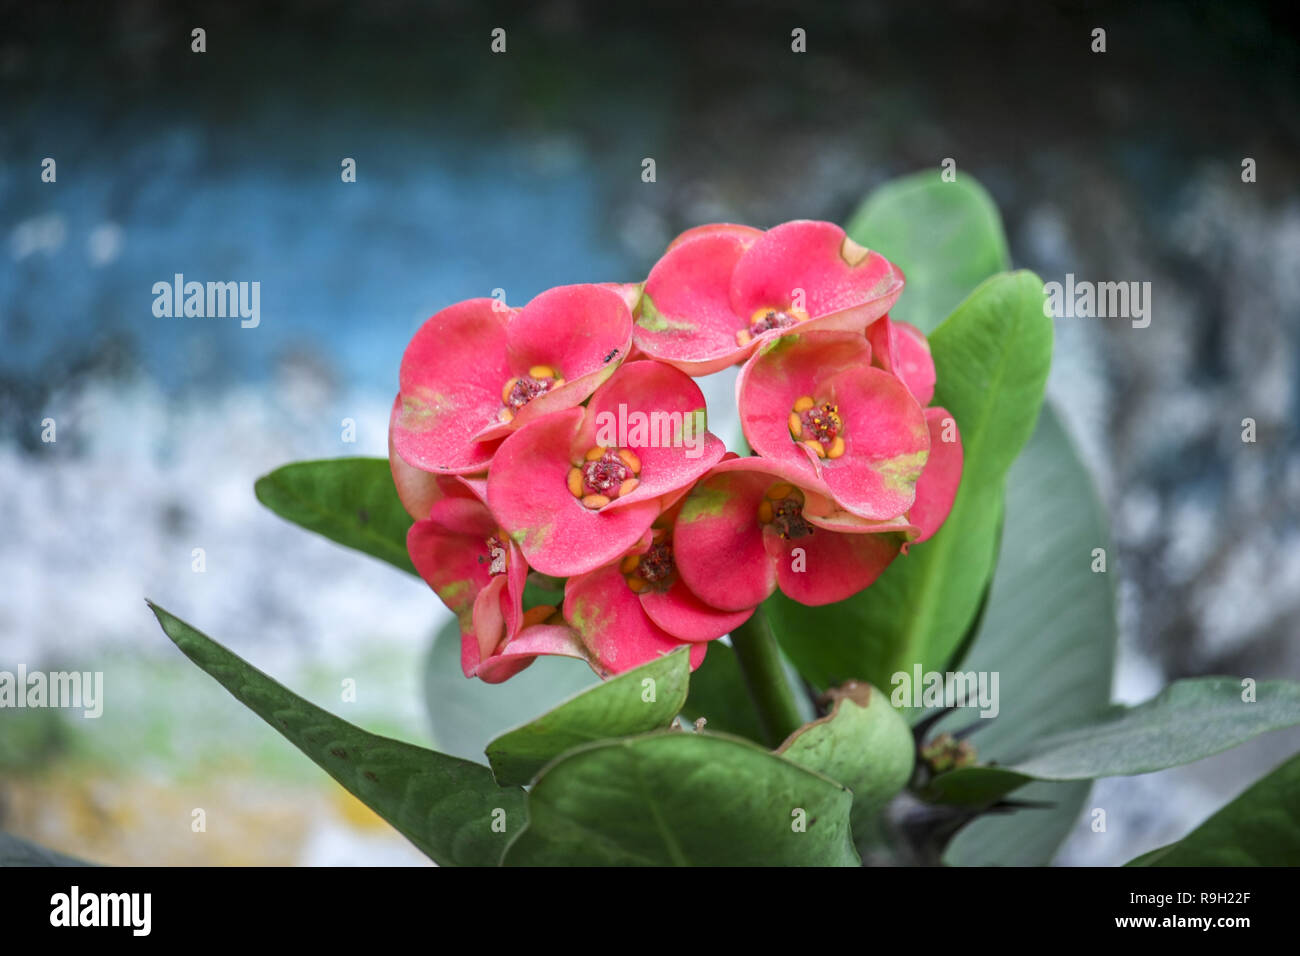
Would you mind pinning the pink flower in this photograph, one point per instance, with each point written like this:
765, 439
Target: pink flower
479, 573
812, 401
902, 349
721, 290
747, 529
477, 371
937, 487
637, 608
419, 490
578, 488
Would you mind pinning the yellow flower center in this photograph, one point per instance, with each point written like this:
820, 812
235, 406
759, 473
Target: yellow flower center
818, 426
522, 389
603, 475
768, 318
782, 508
653, 570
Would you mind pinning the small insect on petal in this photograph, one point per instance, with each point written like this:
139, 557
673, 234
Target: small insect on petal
595, 502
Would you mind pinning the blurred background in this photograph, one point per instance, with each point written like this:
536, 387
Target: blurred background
477, 171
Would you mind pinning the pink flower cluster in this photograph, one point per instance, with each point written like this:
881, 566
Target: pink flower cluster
567, 439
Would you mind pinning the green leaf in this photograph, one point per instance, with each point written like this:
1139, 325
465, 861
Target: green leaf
1187, 721
1260, 828
863, 743
15, 851
620, 707
992, 357
445, 806
1049, 632
349, 500
717, 693
540, 590
676, 798
465, 714
947, 237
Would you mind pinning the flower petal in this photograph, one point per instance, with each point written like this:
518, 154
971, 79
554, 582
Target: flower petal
782, 371
448, 550
886, 444
884, 344
835, 275
512, 599
581, 331
717, 541
537, 641
834, 566
528, 493
915, 364
834, 518
902, 349
630, 292
451, 378
418, 489
609, 619
686, 318
659, 413
937, 487
488, 626
746, 234
683, 615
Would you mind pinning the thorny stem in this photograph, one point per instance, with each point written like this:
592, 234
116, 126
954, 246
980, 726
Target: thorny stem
765, 678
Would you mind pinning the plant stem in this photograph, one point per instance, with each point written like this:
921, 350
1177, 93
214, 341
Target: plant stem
765, 678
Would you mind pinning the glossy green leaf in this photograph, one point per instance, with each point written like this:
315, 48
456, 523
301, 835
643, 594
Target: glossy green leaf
1049, 632
646, 698
1187, 721
349, 500
451, 809
992, 357
1260, 828
947, 237
717, 693
677, 798
864, 743
1047, 628
465, 714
